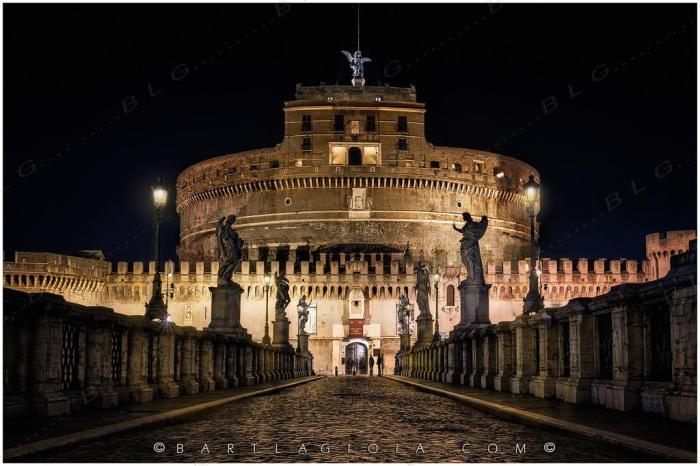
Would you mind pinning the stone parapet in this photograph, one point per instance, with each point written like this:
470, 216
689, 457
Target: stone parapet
632, 348
80, 355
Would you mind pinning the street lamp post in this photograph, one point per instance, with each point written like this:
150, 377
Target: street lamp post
533, 301
436, 280
267, 280
156, 308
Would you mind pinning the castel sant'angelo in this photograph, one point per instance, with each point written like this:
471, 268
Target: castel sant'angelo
347, 205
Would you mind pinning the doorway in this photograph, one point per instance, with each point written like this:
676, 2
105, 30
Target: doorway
356, 355
354, 156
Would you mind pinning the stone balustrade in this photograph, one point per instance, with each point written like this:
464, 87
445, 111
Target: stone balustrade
61, 356
631, 348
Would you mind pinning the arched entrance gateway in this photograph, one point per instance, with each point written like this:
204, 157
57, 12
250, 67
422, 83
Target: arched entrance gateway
356, 354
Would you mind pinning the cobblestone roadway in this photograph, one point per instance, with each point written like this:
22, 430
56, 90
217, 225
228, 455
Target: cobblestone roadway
361, 411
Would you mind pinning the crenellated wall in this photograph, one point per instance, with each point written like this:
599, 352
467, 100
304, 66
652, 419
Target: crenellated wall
660, 247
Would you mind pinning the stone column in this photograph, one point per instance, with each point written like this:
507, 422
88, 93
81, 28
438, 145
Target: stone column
418, 362
252, 347
245, 364
681, 401
269, 363
167, 388
578, 388
430, 362
274, 352
220, 363
451, 360
545, 378
139, 390
520, 383
260, 358
466, 360
435, 361
490, 349
189, 384
443, 362
206, 365
501, 380
47, 396
477, 359
628, 357
99, 363
290, 362
231, 363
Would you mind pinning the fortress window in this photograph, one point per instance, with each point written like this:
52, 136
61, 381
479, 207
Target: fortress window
253, 167
450, 295
403, 144
457, 167
371, 124
274, 164
478, 167
355, 153
339, 123
306, 123
306, 144
231, 170
434, 164
354, 156
402, 124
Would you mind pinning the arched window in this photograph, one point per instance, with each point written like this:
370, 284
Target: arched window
450, 295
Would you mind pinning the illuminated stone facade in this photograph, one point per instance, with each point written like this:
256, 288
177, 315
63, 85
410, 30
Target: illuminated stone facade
354, 167
347, 205
334, 286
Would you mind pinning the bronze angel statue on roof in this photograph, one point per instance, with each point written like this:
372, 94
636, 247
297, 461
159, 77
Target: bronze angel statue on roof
357, 63
229, 249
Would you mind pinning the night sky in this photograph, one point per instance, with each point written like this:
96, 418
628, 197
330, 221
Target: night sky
78, 169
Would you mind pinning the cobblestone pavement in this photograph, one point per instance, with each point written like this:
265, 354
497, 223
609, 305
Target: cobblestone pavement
328, 417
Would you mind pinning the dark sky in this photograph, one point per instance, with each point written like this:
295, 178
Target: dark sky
484, 75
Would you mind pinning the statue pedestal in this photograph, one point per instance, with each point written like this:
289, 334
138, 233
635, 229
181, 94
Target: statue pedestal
280, 333
474, 305
405, 342
303, 345
226, 310
425, 330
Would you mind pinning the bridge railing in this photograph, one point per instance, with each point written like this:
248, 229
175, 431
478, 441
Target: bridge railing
60, 357
632, 348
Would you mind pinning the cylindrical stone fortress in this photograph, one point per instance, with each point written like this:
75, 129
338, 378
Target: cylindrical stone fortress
354, 167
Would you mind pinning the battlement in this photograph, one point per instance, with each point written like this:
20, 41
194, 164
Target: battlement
661, 247
566, 266
669, 242
339, 93
336, 263
329, 275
